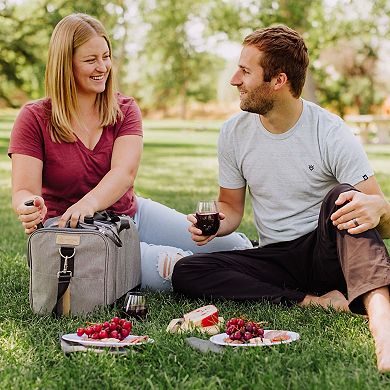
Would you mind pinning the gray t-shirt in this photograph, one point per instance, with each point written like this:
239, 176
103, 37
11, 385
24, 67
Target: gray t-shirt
289, 174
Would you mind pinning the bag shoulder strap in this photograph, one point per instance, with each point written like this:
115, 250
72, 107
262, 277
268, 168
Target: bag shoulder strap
64, 276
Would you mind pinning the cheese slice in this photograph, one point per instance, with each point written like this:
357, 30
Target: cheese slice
175, 325
203, 316
178, 325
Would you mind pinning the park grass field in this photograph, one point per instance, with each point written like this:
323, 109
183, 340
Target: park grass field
179, 167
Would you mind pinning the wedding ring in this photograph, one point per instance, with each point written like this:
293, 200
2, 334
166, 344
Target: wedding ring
356, 223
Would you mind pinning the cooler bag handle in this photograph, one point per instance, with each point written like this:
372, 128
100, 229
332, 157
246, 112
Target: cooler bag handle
100, 221
121, 221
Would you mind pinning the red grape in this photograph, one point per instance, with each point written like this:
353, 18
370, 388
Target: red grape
97, 328
230, 329
118, 328
237, 335
240, 322
103, 334
247, 336
240, 330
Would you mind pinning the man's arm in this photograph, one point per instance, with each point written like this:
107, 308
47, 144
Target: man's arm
231, 205
369, 208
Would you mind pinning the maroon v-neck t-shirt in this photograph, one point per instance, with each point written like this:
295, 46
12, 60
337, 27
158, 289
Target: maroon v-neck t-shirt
70, 169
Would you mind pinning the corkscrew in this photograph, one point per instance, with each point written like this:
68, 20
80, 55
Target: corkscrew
31, 203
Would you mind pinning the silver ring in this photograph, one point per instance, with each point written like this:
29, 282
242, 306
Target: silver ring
356, 223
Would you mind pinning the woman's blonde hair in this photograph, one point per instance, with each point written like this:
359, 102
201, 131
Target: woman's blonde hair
71, 32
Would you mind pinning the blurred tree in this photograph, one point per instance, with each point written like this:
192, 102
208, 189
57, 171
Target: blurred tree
25, 31
360, 26
21, 62
172, 62
238, 18
177, 69
347, 69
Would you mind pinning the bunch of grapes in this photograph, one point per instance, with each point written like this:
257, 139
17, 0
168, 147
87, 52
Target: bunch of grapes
117, 328
241, 330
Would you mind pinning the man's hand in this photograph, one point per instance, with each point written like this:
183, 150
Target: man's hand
360, 212
196, 233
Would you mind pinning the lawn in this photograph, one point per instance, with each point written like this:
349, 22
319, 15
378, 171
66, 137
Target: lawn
179, 167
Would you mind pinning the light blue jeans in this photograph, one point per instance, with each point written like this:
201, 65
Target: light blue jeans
165, 238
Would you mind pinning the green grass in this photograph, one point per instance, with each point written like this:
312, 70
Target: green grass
179, 166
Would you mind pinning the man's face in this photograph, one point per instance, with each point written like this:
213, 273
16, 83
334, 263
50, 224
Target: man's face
256, 95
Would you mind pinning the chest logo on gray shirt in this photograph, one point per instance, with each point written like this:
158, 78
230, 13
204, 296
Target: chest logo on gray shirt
311, 167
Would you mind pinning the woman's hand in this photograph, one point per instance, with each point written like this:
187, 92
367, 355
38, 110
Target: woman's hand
76, 213
31, 216
196, 233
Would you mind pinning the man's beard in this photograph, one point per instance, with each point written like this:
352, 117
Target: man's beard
257, 101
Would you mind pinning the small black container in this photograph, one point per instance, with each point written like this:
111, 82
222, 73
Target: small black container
31, 203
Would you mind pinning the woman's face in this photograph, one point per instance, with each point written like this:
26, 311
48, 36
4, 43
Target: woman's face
91, 66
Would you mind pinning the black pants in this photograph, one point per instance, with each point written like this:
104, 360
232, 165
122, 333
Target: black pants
318, 262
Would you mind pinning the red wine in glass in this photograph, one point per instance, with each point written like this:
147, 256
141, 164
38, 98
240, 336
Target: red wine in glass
207, 217
135, 305
138, 312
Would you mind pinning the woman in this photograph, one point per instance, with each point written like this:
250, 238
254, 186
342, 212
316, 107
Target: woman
78, 150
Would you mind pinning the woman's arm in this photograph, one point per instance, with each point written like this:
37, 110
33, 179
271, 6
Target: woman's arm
126, 156
27, 185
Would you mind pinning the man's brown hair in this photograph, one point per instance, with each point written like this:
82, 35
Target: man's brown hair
283, 51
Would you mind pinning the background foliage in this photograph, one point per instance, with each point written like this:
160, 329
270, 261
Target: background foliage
170, 52
335, 352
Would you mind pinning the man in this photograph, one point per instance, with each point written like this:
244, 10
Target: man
319, 237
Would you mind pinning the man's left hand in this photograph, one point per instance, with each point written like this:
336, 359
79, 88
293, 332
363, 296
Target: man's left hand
360, 212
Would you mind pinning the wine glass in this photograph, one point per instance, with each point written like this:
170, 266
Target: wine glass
207, 217
135, 305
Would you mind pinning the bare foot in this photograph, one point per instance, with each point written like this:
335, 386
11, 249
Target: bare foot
334, 299
382, 350
378, 308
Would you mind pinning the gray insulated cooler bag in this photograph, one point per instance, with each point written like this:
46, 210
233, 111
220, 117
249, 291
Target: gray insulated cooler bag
73, 271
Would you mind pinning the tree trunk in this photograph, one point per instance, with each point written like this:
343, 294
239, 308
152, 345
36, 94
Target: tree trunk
183, 101
122, 49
